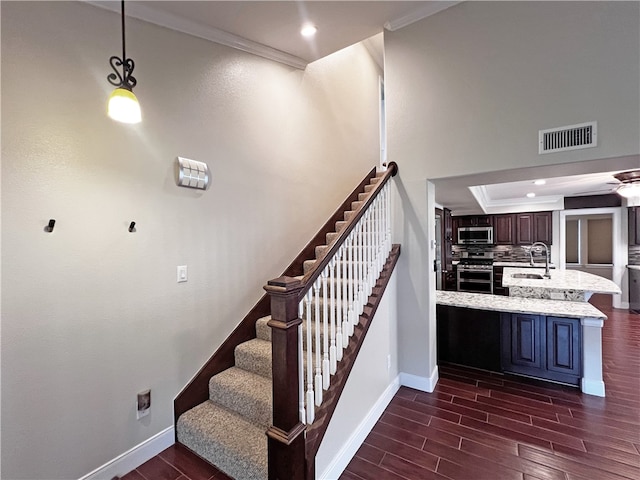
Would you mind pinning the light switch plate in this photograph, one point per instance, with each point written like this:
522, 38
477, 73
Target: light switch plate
182, 273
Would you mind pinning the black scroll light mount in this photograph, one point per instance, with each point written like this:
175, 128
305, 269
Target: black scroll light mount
132, 227
50, 225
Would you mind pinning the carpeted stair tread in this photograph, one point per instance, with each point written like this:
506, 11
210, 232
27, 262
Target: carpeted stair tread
254, 356
245, 393
222, 437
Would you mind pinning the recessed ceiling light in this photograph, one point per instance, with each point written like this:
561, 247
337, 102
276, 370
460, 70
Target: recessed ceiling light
531, 195
308, 30
540, 182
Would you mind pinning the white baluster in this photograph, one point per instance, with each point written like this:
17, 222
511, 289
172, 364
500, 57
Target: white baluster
352, 286
370, 259
345, 293
341, 285
303, 413
334, 306
318, 358
388, 219
361, 280
325, 330
311, 412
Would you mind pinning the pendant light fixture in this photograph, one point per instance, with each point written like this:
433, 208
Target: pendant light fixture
123, 105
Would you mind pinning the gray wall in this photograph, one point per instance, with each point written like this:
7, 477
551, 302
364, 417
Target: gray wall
467, 91
92, 314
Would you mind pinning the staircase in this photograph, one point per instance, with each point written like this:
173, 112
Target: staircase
228, 429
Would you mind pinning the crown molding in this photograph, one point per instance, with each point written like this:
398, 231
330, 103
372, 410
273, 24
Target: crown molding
174, 22
536, 204
430, 8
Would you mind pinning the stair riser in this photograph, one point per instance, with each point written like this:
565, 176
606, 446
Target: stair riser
245, 394
258, 362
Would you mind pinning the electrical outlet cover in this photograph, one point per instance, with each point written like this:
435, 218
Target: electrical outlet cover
143, 404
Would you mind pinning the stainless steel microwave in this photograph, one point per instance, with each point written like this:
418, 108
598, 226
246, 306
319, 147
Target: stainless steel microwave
475, 235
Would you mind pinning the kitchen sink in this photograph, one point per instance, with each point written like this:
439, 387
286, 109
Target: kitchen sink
530, 276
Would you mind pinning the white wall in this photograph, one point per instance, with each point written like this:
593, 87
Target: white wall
467, 91
370, 387
92, 314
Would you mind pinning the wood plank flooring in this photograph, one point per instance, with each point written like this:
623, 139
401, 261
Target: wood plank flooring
478, 425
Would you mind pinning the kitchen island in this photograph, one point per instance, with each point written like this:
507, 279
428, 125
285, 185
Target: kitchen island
556, 340
572, 285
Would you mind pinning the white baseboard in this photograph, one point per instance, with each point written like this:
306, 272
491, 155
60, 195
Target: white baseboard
592, 387
346, 453
420, 383
132, 459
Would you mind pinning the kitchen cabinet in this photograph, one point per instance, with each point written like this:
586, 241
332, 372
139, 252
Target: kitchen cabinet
634, 225
498, 289
524, 228
468, 337
474, 221
541, 346
533, 227
542, 227
522, 345
451, 279
563, 348
504, 229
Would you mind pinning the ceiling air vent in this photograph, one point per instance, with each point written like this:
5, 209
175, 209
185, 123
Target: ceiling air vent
572, 137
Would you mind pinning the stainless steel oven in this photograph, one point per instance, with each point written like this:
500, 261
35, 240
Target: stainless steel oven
475, 273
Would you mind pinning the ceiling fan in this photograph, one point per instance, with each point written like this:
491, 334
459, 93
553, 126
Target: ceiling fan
627, 185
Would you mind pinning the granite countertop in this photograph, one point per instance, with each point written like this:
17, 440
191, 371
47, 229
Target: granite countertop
536, 306
522, 264
561, 280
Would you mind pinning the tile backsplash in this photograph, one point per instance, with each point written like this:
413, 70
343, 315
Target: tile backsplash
505, 253
515, 253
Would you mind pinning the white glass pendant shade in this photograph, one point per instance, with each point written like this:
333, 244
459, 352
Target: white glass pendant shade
629, 190
123, 106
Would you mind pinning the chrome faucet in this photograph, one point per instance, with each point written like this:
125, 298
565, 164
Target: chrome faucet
546, 257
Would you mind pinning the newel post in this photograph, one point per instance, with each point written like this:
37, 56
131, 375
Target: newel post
286, 435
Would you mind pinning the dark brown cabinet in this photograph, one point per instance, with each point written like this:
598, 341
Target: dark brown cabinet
498, 289
474, 221
504, 229
533, 227
542, 227
524, 228
514, 229
542, 347
634, 225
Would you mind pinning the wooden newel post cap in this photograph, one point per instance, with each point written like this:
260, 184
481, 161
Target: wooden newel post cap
283, 285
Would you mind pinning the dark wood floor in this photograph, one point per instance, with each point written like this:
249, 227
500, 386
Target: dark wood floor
176, 463
477, 426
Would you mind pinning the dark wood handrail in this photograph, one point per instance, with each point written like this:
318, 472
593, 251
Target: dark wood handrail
287, 449
329, 253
